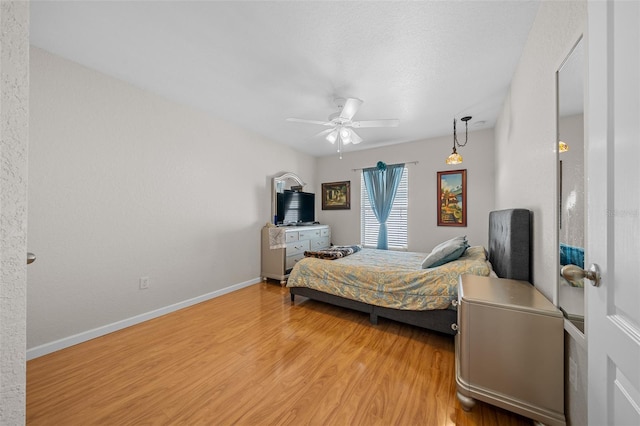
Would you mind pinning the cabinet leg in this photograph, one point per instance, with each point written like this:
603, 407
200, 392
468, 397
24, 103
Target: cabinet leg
466, 401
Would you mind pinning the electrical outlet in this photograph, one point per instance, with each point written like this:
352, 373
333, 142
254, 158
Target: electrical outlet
144, 283
573, 374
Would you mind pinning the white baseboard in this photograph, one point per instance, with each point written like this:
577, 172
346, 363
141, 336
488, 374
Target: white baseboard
57, 345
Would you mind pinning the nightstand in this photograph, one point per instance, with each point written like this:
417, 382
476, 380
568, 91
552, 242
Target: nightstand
509, 348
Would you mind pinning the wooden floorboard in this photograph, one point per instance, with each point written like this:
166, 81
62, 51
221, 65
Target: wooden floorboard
251, 357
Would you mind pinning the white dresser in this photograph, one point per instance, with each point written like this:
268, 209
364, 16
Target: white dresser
277, 263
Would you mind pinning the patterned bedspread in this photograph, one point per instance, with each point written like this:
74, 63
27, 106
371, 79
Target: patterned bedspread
389, 278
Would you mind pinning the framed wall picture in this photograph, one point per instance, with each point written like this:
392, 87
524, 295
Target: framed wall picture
336, 195
452, 198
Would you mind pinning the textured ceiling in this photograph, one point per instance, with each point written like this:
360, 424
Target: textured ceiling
257, 63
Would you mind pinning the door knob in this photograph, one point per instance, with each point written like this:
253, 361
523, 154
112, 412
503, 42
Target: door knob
574, 272
30, 258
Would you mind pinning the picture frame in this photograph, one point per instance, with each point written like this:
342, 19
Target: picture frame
452, 198
336, 195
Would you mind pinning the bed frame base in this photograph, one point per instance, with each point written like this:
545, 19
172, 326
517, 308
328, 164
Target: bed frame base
439, 320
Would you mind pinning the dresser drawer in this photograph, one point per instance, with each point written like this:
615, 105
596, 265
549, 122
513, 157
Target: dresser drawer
308, 234
297, 247
291, 236
291, 261
320, 243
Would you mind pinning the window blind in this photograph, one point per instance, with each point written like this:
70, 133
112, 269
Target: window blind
397, 222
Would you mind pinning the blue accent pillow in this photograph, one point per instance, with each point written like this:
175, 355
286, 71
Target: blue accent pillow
445, 252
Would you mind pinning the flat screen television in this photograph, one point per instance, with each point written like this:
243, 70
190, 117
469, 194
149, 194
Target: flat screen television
295, 208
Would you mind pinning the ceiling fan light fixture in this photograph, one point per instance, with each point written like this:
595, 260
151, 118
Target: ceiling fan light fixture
332, 137
355, 138
345, 135
341, 124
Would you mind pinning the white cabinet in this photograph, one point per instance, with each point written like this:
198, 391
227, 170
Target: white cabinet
278, 262
509, 348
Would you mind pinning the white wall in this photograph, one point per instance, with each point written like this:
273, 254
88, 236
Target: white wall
424, 233
14, 138
526, 145
125, 184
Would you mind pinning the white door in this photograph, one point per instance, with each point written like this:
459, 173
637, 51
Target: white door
613, 212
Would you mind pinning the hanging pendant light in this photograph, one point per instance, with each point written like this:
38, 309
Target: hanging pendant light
456, 158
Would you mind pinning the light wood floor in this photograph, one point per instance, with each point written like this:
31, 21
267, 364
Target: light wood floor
250, 357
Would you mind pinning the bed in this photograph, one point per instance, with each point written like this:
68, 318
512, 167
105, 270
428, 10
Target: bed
420, 297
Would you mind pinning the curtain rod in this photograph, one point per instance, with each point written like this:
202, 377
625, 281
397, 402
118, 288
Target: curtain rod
408, 162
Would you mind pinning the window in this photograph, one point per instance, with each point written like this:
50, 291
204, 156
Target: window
397, 222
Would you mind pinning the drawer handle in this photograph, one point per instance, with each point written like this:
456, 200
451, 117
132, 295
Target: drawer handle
454, 327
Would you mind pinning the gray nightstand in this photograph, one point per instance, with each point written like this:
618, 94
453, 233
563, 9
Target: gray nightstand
509, 348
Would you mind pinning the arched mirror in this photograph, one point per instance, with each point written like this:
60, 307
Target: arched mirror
279, 184
571, 182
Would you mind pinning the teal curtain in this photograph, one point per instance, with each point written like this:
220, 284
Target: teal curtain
381, 187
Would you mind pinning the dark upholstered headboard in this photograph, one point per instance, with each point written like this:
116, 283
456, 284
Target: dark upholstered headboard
510, 243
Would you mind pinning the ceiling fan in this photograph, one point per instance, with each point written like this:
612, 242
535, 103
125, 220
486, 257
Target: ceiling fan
341, 124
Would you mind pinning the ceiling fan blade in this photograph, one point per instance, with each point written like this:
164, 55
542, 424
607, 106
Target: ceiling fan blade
376, 123
355, 138
302, 120
350, 108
